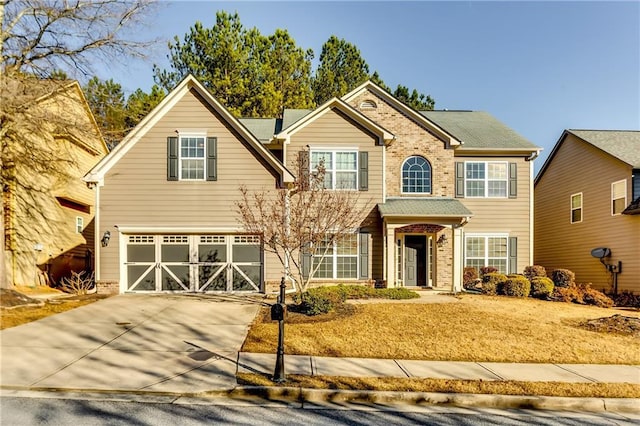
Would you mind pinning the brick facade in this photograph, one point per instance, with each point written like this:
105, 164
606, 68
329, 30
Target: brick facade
108, 287
413, 139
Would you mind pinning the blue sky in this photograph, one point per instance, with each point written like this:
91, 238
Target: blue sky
539, 67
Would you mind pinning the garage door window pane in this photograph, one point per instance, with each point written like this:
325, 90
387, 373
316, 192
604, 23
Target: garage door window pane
240, 283
177, 253
169, 283
212, 253
246, 253
141, 253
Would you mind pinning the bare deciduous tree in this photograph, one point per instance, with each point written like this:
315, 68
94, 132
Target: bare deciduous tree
40, 40
303, 220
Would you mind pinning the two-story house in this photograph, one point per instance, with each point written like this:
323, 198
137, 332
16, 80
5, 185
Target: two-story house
48, 210
445, 189
587, 197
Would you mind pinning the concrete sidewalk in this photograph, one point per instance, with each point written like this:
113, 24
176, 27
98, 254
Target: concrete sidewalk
366, 367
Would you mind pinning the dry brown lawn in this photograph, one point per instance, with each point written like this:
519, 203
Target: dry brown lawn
578, 390
477, 328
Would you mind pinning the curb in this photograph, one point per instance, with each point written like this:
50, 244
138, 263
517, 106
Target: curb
553, 403
318, 396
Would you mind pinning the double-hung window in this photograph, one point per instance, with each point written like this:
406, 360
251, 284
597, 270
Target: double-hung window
340, 168
192, 157
340, 259
618, 197
576, 208
486, 179
487, 250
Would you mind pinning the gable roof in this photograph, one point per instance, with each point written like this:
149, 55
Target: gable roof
428, 124
623, 145
479, 130
383, 135
188, 83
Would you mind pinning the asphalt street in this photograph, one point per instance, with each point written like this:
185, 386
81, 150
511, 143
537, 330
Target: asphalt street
59, 411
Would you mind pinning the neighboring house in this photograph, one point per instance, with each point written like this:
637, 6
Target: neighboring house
587, 196
445, 189
48, 209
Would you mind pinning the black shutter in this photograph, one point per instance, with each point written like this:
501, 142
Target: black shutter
212, 158
363, 171
459, 179
306, 263
172, 158
513, 180
364, 256
513, 255
303, 170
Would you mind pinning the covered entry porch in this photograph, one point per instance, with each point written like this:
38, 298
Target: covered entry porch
423, 242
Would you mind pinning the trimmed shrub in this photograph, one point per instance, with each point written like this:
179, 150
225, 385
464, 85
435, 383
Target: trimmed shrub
534, 271
315, 303
470, 278
563, 277
492, 283
582, 294
541, 287
594, 297
399, 293
487, 270
516, 286
627, 299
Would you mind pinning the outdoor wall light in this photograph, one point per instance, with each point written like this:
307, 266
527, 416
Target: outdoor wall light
441, 240
105, 238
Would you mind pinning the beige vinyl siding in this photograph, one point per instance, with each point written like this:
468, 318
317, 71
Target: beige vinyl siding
504, 215
334, 131
136, 192
579, 167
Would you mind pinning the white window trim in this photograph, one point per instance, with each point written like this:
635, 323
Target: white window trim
624, 182
79, 224
333, 254
180, 158
402, 177
333, 151
571, 208
486, 179
486, 247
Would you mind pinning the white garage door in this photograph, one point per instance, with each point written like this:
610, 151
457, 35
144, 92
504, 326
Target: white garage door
193, 263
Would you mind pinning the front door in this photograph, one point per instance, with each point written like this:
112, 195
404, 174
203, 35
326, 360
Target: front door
415, 260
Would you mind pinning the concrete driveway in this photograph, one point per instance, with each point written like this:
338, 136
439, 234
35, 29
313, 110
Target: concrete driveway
157, 343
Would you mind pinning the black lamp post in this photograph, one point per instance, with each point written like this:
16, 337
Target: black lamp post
278, 311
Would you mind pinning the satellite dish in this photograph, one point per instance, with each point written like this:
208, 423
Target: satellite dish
600, 252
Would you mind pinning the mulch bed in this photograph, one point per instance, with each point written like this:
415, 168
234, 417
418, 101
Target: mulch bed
615, 324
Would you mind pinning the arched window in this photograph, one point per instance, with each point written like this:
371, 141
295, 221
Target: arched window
416, 175
368, 104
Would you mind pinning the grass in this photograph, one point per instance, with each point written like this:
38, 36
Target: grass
579, 390
477, 328
22, 315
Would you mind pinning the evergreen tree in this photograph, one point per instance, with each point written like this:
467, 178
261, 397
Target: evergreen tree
106, 100
139, 104
340, 70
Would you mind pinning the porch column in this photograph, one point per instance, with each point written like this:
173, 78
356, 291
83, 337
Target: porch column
457, 247
390, 255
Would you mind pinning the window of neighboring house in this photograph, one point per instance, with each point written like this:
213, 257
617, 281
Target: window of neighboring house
416, 175
576, 208
192, 157
635, 184
618, 197
79, 224
486, 179
341, 168
487, 250
341, 259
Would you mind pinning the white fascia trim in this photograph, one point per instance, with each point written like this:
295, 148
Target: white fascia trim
178, 230
361, 119
388, 97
